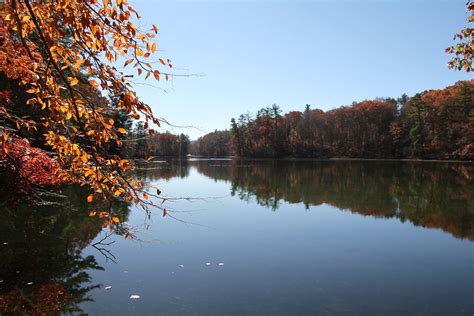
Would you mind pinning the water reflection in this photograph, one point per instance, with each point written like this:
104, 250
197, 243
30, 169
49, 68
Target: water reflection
434, 195
42, 269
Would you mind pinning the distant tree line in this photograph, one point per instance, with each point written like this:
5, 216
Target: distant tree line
140, 143
215, 144
435, 124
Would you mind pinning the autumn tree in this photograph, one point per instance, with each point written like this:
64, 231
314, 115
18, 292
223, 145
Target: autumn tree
215, 144
66, 56
463, 52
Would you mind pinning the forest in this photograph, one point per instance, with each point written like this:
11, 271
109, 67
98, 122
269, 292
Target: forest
77, 150
434, 124
139, 144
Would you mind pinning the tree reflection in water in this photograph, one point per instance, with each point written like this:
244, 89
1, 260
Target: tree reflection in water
428, 194
42, 269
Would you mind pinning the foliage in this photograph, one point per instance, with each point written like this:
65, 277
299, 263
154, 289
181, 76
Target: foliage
463, 51
435, 124
216, 144
140, 145
64, 55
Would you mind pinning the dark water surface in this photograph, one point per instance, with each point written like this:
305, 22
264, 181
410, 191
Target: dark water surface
294, 238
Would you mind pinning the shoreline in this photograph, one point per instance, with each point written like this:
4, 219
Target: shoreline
331, 159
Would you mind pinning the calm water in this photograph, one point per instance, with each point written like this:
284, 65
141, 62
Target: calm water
294, 238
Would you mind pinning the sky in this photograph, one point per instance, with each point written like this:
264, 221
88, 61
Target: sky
245, 55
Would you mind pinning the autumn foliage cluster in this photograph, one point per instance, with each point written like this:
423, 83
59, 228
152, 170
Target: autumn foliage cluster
435, 124
64, 80
463, 52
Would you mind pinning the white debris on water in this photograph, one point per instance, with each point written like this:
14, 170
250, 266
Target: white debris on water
29, 283
220, 264
134, 297
108, 287
208, 263
181, 266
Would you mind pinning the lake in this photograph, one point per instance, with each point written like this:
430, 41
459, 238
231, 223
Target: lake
256, 237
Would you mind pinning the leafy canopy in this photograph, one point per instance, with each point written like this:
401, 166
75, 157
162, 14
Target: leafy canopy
66, 55
462, 52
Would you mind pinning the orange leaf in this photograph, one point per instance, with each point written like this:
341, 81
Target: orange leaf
128, 62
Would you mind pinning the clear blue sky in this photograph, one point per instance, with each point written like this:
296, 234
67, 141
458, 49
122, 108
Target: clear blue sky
324, 53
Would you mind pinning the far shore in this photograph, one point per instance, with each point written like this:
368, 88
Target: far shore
321, 159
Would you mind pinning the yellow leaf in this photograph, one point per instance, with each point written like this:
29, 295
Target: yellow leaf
115, 219
89, 172
122, 130
74, 81
90, 198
